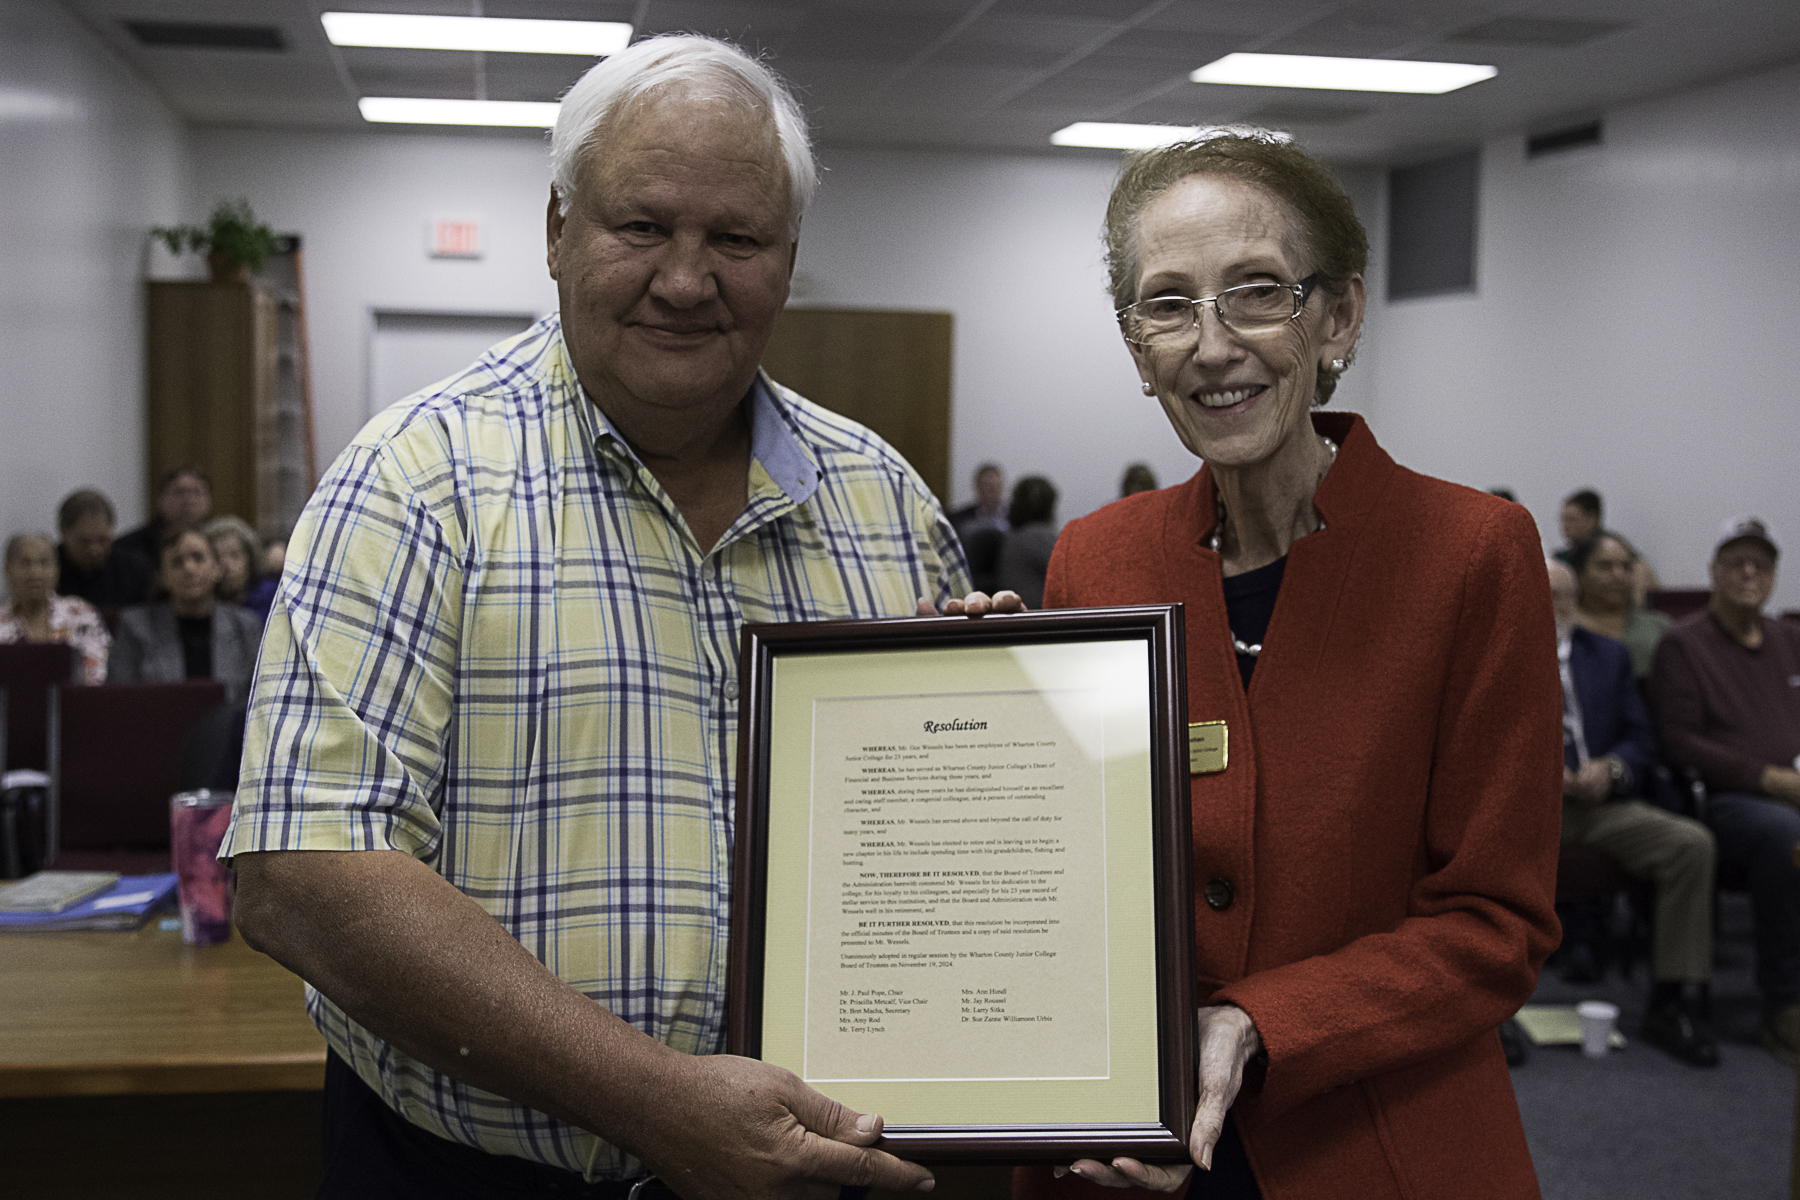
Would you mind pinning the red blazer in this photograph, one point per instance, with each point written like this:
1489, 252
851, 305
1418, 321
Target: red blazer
1389, 818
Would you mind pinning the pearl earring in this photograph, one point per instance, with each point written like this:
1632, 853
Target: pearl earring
1339, 365
1148, 389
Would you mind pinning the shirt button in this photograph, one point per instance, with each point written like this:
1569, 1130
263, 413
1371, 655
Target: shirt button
1219, 894
731, 689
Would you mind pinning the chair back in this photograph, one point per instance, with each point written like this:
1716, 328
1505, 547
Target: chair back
115, 759
28, 670
1677, 602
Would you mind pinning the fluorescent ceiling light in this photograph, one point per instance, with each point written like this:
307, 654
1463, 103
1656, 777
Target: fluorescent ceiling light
530, 114
1121, 137
1342, 74
504, 34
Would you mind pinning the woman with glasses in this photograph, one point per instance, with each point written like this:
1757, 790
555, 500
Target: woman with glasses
1375, 855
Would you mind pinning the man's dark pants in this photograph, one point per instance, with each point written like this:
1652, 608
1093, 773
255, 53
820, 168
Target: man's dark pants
1757, 836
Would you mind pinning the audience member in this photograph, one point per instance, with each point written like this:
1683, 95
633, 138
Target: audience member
240, 553
183, 502
190, 635
1726, 684
1025, 555
90, 564
35, 613
989, 509
274, 560
1138, 478
1608, 756
1581, 514
1605, 568
508, 709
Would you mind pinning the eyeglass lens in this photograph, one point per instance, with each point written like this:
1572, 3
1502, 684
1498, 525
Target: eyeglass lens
1251, 306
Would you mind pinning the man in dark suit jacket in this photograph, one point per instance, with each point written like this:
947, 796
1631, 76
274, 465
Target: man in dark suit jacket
1609, 753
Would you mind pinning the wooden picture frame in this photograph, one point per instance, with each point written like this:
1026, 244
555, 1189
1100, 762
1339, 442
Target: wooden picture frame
1024, 861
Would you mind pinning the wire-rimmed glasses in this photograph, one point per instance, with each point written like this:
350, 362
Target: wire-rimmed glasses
1247, 308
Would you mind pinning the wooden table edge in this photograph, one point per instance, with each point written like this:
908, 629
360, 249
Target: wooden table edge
297, 1072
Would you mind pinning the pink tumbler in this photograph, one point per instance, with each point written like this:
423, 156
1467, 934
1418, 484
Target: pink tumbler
197, 822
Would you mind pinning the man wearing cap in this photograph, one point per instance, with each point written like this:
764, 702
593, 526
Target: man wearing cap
1726, 683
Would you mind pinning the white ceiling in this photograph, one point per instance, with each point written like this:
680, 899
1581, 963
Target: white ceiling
1005, 74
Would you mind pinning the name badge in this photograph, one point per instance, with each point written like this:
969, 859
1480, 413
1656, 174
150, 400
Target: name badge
1209, 747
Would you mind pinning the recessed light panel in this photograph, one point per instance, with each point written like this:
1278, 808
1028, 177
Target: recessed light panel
408, 111
1109, 136
1341, 74
499, 34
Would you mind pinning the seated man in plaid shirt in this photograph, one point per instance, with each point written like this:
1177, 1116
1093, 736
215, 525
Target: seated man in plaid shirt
487, 795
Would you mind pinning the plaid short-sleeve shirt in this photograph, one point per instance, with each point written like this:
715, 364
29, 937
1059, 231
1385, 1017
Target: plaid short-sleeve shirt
498, 648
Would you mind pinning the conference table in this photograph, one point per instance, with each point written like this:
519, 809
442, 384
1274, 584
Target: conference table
133, 1065
84, 1014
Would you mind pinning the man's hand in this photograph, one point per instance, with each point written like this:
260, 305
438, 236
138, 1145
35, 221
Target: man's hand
737, 1129
975, 604
1783, 783
1228, 1040
1592, 784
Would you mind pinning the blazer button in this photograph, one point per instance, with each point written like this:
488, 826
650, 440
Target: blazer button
1219, 894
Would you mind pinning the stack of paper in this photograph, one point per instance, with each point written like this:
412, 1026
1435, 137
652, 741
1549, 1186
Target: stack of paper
125, 905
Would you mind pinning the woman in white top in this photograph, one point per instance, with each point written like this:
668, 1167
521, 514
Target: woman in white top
35, 613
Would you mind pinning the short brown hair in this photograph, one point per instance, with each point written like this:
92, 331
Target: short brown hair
79, 506
1331, 233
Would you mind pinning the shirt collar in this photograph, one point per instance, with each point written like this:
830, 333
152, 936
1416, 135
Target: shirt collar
773, 442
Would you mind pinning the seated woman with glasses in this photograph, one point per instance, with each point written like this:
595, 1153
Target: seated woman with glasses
1375, 857
35, 613
190, 635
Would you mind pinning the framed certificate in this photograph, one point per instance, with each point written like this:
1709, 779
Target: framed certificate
962, 890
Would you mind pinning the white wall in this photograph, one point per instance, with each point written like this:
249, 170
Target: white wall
1634, 328
360, 202
89, 160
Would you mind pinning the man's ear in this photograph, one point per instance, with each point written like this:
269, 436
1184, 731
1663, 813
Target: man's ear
553, 230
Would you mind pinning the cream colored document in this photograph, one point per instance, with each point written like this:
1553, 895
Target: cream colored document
957, 892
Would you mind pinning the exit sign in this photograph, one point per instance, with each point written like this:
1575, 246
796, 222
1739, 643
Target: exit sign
453, 237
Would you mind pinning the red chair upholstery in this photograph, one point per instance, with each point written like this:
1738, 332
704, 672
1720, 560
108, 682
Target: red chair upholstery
1677, 602
115, 755
28, 670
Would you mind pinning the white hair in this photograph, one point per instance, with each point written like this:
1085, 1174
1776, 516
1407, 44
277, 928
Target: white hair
718, 68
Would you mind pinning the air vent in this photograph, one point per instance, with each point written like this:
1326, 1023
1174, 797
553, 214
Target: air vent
188, 35
1573, 137
1535, 31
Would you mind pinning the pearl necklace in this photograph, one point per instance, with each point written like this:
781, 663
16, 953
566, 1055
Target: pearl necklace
1238, 644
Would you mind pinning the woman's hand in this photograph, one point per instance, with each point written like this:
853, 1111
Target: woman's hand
975, 604
1228, 1040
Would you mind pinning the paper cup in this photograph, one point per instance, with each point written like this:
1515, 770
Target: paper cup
1597, 1019
204, 885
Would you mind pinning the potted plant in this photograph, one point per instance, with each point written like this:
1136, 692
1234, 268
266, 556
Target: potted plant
233, 241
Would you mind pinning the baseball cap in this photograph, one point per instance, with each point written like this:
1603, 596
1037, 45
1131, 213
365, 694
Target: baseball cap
1734, 529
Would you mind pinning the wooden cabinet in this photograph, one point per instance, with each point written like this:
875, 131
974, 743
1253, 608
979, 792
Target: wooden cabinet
227, 393
889, 370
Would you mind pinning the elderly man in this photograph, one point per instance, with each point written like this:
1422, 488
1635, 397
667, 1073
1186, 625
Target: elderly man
488, 784
1608, 754
1726, 682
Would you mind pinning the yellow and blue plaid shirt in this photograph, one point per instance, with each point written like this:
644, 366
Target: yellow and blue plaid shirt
498, 648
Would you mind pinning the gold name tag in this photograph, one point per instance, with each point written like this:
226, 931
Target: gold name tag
1209, 747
